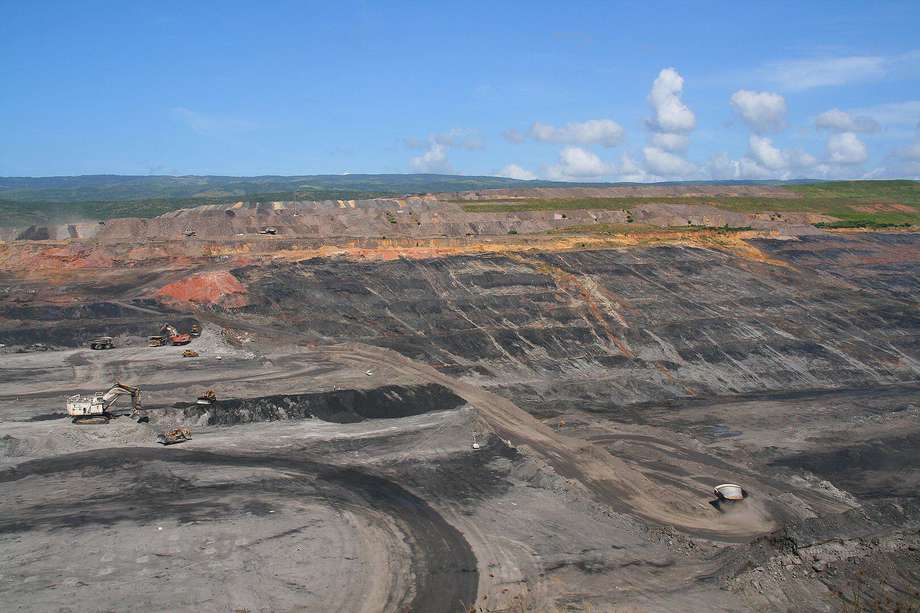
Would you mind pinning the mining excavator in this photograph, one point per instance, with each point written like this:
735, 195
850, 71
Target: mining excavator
97, 409
174, 336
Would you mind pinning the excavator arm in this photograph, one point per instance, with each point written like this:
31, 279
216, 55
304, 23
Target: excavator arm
120, 389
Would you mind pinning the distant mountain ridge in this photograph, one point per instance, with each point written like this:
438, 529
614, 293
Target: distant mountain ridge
26, 201
102, 188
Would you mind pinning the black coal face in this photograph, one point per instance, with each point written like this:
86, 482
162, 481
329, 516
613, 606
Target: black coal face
340, 406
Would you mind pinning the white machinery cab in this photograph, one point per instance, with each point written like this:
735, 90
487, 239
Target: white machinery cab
78, 405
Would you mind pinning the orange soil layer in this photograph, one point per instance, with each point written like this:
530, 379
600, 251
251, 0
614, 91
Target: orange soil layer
60, 259
206, 288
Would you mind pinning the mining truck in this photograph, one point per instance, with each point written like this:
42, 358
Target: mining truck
156, 341
98, 408
103, 342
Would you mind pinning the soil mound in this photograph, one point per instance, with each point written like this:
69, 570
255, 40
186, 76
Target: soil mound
209, 288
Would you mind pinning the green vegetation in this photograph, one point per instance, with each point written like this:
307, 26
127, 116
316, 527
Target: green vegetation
615, 229
26, 201
872, 225
863, 203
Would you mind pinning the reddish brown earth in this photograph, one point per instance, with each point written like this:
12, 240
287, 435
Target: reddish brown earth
204, 289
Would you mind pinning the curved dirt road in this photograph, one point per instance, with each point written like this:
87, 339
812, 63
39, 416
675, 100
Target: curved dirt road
428, 565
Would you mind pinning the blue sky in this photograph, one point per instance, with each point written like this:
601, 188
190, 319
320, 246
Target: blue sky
580, 91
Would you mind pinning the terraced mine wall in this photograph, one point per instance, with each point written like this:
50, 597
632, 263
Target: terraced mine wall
74, 326
610, 329
339, 406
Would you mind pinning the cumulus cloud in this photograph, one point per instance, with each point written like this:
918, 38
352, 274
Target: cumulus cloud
670, 141
632, 172
436, 146
605, 132
671, 114
513, 171
766, 155
670, 125
578, 163
666, 164
836, 120
761, 111
433, 160
846, 148
763, 151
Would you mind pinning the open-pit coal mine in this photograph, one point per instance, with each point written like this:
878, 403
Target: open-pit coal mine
408, 405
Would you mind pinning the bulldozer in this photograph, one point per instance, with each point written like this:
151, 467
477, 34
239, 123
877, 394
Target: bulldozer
188, 353
171, 437
174, 336
97, 409
208, 397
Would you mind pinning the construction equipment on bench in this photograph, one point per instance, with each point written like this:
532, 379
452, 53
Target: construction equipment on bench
188, 353
174, 336
97, 409
208, 397
103, 342
179, 435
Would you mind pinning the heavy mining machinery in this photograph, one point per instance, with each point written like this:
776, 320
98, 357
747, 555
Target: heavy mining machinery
174, 336
179, 435
98, 408
103, 342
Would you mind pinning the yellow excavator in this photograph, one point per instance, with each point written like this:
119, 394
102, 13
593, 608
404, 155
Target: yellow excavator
98, 408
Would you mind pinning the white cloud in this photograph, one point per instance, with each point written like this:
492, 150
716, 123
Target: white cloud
575, 162
796, 75
436, 146
761, 111
433, 160
632, 172
514, 136
513, 171
671, 114
604, 132
462, 138
765, 154
768, 157
841, 121
670, 141
722, 167
846, 148
906, 113
665, 164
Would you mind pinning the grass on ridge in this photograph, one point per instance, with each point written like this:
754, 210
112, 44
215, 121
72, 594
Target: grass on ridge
860, 203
